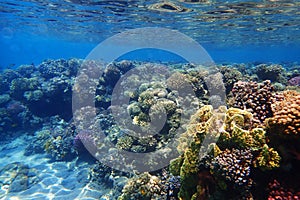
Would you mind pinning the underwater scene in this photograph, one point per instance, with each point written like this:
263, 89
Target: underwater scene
149, 100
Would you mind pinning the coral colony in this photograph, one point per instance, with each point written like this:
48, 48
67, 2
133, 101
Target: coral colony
257, 155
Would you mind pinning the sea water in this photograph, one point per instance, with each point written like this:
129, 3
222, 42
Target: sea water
45, 155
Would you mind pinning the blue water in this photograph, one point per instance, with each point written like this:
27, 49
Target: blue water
21, 49
32, 31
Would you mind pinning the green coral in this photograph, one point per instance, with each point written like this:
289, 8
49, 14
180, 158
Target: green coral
188, 172
204, 121
238, 133
267, 159
175, 165
125, 142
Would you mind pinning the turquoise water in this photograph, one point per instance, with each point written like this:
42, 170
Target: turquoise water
73, 126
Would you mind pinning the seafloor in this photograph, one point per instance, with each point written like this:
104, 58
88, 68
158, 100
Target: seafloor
256, 156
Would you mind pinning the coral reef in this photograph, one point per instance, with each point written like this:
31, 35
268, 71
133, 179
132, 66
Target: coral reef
234, 166
46, 88
283, 133
295, 81
55, 138
14, 115
244, 151
100, 173
267, 158
60, 143
241, 147
255, 97
155, 97
274, 73
196, 78
286, 114
143, 187
230, 77
56, 68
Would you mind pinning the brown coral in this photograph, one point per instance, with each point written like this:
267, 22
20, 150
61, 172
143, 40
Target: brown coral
286, 114
255, 97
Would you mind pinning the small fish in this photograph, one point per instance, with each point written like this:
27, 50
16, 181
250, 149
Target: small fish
295, 81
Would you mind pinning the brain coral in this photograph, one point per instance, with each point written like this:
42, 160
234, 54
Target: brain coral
286, 114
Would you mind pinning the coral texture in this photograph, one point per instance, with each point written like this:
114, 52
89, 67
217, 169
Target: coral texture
143, 187
234, 165
274, 72
239, 149
277, 191
286, 114
255, 97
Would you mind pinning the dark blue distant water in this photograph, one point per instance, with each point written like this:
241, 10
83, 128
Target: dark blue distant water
17, 50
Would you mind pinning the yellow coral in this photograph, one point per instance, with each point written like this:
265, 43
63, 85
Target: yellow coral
267, 159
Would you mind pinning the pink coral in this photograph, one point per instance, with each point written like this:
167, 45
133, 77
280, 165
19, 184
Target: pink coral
295, 81
277, 191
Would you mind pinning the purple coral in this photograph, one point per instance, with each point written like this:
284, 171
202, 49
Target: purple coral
295, 81
82, 140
